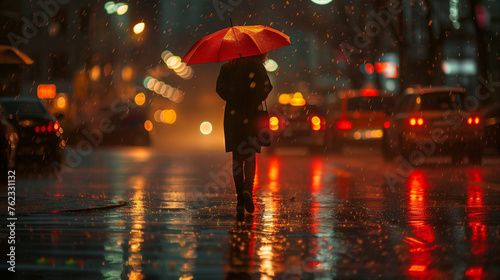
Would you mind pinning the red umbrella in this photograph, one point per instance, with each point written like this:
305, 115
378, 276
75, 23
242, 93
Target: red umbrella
234, 42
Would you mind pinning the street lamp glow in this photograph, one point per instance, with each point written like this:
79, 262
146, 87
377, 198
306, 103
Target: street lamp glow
138, 28
321, 2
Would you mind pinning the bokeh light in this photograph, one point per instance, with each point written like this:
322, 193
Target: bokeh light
61, 102
138, 28
284, 98
127, 73
321, 2
175, 63
297, 100
121, 9
206, 128
140, 99
168, 116
95, 73
148, 125
271, 65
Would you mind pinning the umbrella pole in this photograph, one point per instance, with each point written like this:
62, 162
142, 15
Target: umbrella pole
237, 41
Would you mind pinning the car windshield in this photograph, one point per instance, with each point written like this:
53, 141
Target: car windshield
440, 101
26, 108
372, 103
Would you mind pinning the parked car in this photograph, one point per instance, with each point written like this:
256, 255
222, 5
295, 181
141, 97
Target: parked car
40, 135
491, 124
432, 120
128, 129
357, 118
297, 124
8, 143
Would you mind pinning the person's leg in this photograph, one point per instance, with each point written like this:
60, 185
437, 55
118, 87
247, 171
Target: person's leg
239, 182
249, 170
238, 171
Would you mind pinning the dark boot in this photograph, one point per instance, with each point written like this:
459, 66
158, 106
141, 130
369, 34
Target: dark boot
248, 199
240, 204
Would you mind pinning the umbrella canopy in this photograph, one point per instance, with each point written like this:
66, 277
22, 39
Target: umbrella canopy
235, 42
11, 55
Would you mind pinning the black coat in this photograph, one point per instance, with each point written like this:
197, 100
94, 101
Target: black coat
243, 87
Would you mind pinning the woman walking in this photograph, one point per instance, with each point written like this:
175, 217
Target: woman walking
243, 83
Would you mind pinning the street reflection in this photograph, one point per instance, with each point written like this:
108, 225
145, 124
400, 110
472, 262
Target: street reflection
476, 212
321, 256
135, 260
270, 208
241, 250
420, 246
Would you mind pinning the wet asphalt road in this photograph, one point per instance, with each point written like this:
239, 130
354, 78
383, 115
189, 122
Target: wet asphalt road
172, 216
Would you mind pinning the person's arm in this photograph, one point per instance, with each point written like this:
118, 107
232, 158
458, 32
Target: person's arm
262, 83
225, 84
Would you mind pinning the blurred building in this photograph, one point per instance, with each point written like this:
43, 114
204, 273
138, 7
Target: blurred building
91, 52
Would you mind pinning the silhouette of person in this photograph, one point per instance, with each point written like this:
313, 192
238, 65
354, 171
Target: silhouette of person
240, 267
243, 83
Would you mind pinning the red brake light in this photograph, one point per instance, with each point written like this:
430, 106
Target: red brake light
344, 125
473, 120
56, 126
416, 121
387, 124
49, 128
368, 92
43, 129
37, 129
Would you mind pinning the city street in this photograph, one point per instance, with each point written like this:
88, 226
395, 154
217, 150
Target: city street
137, 213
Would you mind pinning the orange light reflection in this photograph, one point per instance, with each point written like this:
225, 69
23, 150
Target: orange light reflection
135, 259
266, 243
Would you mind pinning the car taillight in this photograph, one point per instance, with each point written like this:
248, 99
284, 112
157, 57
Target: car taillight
51, 127
387, 124
318, 123
473, 120
274, 123
344, 125
416, 121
